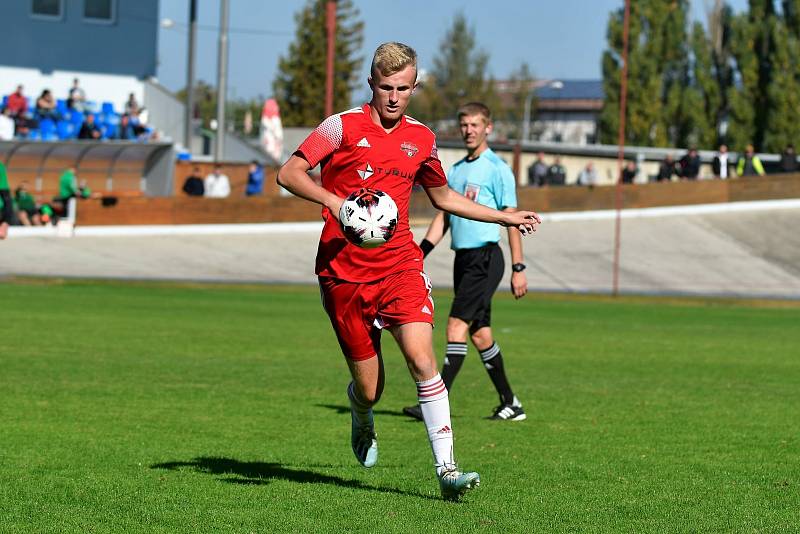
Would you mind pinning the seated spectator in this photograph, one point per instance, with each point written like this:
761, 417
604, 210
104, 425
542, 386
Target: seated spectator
556, 173
6, 125
89, 129
666, 170
255, 179
216, 184
27, 209
690, 165
76, 99
17, 103
537, 172
588, 176
46, 106
193, 186
132, 106
126, 130
629, 172
789, 159
721, 166
749, 164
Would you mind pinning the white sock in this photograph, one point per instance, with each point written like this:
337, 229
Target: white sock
435, 404
362, 414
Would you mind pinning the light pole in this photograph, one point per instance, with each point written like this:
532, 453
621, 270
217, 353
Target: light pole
187, 123
222, 76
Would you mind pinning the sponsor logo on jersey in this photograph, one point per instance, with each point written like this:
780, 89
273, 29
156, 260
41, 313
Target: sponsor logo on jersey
409, 148
364, 143
365, 171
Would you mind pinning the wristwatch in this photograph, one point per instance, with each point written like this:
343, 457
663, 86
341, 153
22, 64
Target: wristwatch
518, 267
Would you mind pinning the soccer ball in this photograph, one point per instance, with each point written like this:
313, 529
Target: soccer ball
368, 218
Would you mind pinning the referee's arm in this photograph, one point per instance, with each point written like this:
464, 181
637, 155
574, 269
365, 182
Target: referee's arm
519, 282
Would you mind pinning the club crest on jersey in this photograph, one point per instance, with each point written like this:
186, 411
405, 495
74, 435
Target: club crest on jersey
409, 148
365, 171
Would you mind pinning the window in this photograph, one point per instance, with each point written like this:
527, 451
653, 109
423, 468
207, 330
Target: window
51, 9
99, 10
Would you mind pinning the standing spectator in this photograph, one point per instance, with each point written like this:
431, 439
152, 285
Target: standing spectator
6, 125
17, 103
217, 185
193, 186
46, 106
556, 173
6, 205
666, 170
749, 164
132, 106
690, 165
537, 172
721, 166
27, 210
255, 179
76, 99
588, 176
89, 129
629, 172
789, 159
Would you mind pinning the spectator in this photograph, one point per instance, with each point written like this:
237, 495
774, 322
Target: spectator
27, 210
537, 172
789, 159
588, 176
6, 125
690, 165
666, 170
6, 205
17, 104
89, 129
132, 106
126, 130
217, 184
68, 188
46, 106
556, 173
749, 164
721, 166
193, 186
629, 172
255, 179
76, 99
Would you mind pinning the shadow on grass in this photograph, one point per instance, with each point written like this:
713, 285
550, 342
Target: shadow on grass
346, 410
260, 473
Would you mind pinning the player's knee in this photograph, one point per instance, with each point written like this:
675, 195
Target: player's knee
481, 338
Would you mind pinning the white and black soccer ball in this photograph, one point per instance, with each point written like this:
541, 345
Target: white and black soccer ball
368, 218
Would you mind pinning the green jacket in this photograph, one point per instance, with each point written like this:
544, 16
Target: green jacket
67, 185
757, 166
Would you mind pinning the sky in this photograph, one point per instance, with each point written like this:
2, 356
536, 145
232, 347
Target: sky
557, 38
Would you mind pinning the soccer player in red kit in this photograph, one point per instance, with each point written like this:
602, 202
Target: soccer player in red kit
367, 290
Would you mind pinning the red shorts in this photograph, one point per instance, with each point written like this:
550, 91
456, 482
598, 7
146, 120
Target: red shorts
358, 310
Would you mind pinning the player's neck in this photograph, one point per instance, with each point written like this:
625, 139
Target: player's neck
387, 125
475, 153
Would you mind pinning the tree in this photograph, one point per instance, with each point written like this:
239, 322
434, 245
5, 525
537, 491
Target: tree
458, 76
300, 83
519, 89
658, 114
783, 114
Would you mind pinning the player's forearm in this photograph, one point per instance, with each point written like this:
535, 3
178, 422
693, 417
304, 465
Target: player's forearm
296, 180
515, 244
450, 201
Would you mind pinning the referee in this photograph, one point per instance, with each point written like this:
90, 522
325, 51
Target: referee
484, 178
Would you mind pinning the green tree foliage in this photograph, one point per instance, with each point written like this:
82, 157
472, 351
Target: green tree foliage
783, 115
205, 102
520, 86
657, 73
299, 85
459, 75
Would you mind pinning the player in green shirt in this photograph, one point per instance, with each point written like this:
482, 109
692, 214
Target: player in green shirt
6, 205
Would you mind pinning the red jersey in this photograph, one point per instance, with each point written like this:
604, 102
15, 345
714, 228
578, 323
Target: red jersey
354, 152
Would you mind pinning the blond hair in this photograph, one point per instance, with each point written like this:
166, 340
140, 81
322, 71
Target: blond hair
475, 108
391, 58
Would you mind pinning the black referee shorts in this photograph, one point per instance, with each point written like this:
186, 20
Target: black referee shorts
476, 274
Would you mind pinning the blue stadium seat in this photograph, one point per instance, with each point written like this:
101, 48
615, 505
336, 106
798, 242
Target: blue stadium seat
61, 107
47, 126
76, 117
34, 135
5, 100
65, 129
107, 108
91, 106
109, 131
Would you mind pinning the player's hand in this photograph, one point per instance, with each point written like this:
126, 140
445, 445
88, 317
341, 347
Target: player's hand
519, 284
525, 221
334, 207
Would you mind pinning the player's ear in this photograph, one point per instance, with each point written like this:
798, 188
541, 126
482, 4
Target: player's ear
369, 82
489, 126
414, 88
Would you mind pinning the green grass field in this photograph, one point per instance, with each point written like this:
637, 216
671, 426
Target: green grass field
132, 407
